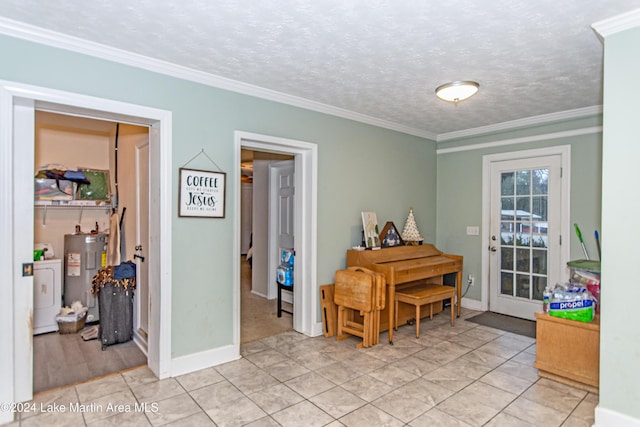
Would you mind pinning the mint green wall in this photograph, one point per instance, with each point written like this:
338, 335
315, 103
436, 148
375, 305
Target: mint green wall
620, 324
360, 167
460, 191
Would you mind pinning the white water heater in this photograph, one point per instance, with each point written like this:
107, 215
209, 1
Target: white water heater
84, 255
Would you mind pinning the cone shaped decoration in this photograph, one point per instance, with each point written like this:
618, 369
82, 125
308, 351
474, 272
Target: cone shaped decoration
410, 233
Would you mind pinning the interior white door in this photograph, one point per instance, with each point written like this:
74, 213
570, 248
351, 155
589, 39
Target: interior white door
142, 239
524, 233
281, 216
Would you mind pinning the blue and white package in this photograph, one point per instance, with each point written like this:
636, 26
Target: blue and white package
572, 302
284, 272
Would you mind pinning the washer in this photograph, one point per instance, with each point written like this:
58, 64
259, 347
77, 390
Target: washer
47, 295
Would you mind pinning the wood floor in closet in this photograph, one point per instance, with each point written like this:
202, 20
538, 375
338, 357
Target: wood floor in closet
60, 360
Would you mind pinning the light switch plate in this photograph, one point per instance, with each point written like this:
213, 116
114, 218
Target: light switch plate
473, 230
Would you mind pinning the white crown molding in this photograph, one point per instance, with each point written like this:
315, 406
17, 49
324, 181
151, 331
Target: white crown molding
51, 38
617, 24
522, 140
526, 122
75, 44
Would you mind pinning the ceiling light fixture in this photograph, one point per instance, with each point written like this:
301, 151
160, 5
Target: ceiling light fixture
457, 91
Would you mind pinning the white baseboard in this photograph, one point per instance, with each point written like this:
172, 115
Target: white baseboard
317, 329
141, 342
205, 359
287, 296
608, 418
261, 295
472, 304
6, 417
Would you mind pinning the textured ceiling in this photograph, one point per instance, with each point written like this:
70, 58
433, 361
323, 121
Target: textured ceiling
382, 59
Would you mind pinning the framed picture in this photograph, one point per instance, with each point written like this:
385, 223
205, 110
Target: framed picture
370, 226
390, 236
202, 193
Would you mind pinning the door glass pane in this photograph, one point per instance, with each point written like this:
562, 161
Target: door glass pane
539, 264
523, 182
506, 233
539, 227
506, 255
507, 208
506, 283
506, 184
524, 233
540, 178
522, 285
539, 208
539, 283
523, 206
507, 217
522, 260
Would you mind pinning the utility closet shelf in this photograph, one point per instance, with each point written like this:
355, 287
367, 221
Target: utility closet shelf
71, 204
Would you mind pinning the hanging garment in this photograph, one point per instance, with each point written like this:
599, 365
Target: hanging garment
113, 249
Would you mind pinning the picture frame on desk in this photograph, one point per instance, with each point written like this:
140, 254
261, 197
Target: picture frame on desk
370, 227
390, 237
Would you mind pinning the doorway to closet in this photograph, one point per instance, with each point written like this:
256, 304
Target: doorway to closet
119, 152
17, 213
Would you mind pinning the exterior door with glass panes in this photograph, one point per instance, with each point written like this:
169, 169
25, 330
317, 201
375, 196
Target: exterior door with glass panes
524, 233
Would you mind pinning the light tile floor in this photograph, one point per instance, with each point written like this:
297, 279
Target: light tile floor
467, 375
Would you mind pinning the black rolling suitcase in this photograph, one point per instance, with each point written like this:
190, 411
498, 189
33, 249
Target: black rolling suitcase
114, 287
116, 315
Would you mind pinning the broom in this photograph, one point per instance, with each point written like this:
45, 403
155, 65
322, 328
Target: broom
579, 234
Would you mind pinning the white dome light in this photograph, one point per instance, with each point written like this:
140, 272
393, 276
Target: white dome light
457, 91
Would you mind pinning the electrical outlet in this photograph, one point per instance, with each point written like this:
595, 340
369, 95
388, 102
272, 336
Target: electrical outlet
471, 280
473, 230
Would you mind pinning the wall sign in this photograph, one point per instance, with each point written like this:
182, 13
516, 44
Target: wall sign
202, 193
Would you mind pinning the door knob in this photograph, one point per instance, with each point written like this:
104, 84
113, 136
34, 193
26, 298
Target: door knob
493, 248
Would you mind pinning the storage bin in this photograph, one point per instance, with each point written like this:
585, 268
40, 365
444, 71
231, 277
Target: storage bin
71, 323
586, 273
54, 189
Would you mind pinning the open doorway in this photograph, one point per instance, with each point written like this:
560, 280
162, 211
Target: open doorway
259, 312
75, 223
305, 296
17, 214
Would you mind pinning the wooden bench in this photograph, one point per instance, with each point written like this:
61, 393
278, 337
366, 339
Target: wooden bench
424, 294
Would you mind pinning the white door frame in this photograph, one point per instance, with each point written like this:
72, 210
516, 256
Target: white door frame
306, 166
564, 151
141, 200
14, 252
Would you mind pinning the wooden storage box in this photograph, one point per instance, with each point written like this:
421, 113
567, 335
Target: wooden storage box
568, 351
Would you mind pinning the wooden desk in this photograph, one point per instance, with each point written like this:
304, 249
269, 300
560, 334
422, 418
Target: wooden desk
406, 266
